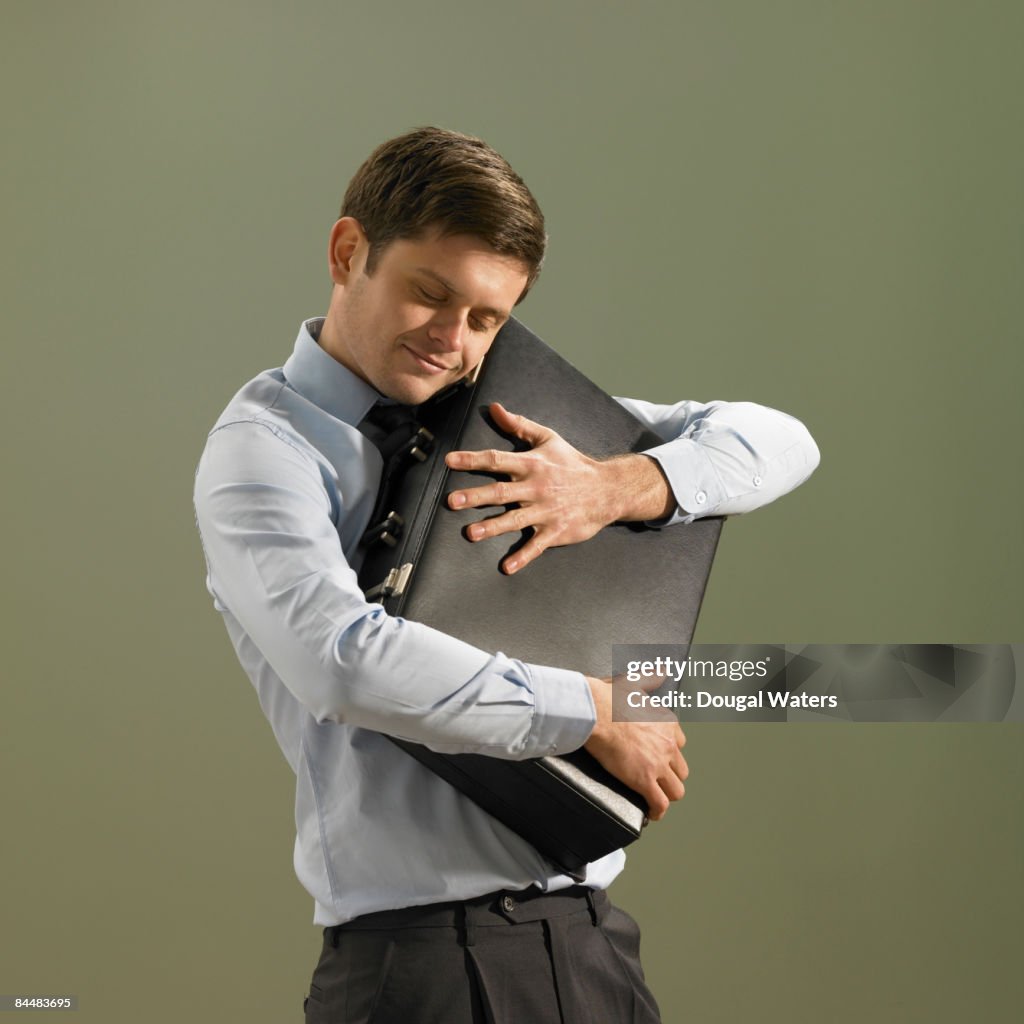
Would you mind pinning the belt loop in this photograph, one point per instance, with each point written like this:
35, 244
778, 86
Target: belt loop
591, 906
468, 933
333, 934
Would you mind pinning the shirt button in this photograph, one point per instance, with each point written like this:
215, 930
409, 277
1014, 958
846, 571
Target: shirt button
757, 480
700, 497
508, 904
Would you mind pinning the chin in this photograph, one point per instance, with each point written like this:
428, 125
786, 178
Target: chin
413, 392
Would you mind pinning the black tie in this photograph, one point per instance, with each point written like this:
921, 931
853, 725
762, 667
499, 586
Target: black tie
398, 436
389, 427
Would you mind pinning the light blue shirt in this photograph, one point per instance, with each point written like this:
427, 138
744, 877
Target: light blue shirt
283, 493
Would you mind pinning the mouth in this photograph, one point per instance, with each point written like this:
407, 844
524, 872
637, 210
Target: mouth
429, 364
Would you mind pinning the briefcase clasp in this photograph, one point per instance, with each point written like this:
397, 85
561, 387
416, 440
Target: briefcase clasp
394, 583
421, 444
387, 531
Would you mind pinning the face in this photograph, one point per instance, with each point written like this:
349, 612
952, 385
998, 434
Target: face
427, 314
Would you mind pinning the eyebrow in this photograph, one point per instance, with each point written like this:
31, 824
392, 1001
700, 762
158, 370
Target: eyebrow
497, 314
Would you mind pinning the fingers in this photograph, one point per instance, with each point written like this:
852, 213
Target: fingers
503, 492
668, 787
647, 756
665, 791
514, 521
657, 804
532, 549
523, 428
680, 769
507, 463
662, 795
557, 492
487, 461
673, 788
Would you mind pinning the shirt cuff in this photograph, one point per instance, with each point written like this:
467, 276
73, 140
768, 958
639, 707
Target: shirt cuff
692, 478
564, 715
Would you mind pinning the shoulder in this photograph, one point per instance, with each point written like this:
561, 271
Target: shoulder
256, 399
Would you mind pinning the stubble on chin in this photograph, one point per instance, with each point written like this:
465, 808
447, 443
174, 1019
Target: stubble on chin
409, 393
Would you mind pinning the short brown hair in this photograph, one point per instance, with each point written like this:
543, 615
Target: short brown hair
432, 178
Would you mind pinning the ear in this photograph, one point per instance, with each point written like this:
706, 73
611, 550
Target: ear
346, 250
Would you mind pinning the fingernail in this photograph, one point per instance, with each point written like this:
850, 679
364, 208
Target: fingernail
457, 500
476, 532
510, 567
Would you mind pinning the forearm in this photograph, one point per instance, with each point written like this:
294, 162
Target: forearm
725, 458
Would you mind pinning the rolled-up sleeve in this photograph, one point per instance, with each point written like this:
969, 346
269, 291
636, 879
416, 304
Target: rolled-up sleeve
276, 565
725, 458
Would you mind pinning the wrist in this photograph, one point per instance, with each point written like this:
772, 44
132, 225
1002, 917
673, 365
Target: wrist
638, 489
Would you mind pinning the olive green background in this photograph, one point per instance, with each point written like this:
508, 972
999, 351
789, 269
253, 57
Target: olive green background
813, 205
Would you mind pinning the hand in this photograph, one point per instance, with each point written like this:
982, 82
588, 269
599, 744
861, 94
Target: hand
645, 755
563, 495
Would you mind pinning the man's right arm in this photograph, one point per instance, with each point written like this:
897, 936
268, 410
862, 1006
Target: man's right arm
270, 531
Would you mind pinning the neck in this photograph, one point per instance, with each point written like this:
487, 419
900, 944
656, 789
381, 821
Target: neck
330, 341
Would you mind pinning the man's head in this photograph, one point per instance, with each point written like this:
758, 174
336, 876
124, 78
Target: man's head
437, 242
431, 180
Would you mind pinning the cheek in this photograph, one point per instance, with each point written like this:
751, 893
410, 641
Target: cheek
408, 317
476, 350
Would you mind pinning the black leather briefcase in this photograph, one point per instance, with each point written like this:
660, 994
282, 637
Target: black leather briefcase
627, 585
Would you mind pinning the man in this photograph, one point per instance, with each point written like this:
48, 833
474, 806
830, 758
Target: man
432, 910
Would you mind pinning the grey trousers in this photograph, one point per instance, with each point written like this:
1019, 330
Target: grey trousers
506, 958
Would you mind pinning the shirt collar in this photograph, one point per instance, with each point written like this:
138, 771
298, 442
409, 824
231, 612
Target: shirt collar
324, 381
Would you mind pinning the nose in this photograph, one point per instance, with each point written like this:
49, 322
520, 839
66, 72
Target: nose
448, 330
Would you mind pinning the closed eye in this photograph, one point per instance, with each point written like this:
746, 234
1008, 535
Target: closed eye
476, 323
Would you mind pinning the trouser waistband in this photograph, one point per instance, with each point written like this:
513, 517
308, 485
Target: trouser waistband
505, 907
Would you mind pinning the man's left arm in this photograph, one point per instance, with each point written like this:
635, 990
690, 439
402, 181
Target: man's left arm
719, 458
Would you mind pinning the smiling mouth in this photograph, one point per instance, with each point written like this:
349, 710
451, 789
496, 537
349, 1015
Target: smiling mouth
428, 364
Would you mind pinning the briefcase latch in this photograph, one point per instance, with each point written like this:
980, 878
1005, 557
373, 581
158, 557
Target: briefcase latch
421, 444
387, 531
394, 583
